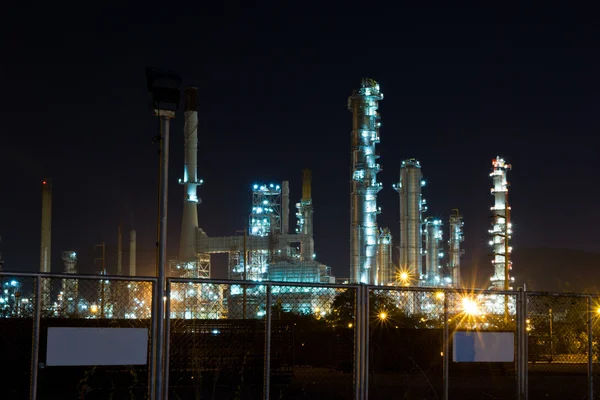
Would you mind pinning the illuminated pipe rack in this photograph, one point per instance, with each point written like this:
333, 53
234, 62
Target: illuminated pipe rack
363, 103
454, 250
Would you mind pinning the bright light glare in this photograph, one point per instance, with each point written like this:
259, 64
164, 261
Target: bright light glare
94, 308
439, 295
382, 315
469, 306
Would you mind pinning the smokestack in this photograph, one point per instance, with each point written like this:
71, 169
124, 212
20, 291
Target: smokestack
305, 215
189, 227
364, 186
285, 207
120, 253
306, 185
46, 226
132, 252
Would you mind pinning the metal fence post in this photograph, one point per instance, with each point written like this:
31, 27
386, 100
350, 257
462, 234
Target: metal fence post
152, 360
446, 346
167, 338
520, 328
35, 350
590, 360
268, 311
357, 342
366, 356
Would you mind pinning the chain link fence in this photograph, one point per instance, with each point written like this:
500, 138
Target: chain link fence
16, 327
243, 340
558, 329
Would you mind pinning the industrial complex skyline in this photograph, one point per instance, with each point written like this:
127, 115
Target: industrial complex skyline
268, 111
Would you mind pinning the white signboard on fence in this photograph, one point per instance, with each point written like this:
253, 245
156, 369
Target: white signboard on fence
97, 346
483, 347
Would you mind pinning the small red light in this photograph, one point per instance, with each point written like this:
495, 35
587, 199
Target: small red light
44, 182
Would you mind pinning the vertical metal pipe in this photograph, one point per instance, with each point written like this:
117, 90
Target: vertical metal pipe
357, 341
267, 380
520, 327
525, 345
590, 349
152, 361
167, 338
446, 346
35, 350
162, 252
366, 343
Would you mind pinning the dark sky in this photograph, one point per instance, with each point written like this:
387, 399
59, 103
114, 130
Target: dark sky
461, 86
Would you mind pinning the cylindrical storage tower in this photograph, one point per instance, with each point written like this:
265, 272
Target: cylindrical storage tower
412, 207
454, 250
364, 103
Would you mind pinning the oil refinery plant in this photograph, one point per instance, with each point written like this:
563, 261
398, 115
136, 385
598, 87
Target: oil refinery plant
268, 250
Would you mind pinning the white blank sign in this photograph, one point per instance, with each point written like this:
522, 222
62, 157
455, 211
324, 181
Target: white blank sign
97, 346
483, 347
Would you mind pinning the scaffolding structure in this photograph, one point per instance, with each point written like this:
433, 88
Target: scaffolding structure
265, 221
385, 266
501, 231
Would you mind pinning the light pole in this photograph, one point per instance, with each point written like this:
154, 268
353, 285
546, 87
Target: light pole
164, 87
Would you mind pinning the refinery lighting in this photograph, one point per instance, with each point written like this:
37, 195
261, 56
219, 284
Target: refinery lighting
501, 231
364, 103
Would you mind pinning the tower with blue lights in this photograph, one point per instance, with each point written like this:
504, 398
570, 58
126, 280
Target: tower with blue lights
363, 103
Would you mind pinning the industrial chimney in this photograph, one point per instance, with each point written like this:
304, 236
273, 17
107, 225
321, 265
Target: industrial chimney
46, 226
120, 252
132, 252
189, 227
305, 218
363, 197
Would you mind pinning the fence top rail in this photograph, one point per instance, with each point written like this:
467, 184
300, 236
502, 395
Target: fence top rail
461, 291
265, 283
563, 294
76, 276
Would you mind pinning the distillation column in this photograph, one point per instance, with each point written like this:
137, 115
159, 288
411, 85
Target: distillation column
132, 253
433, 255
454, 251
285, 207
70, 287
385, 267
501, 231
412, 207
364, 186
45, 248
188, 246
305, 218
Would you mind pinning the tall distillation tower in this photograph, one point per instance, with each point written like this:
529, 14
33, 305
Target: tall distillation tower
305, 218
70, 287
412, 207
501, 231
454, 251
434, 253
364, 186
193, 264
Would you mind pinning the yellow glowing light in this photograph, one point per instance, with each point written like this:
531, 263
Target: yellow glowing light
94, 308
382, 315
598, 310
469, 306
404, 276
439, 295
350, 325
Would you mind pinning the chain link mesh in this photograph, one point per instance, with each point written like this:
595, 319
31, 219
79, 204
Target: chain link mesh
97, 303
405, 343
16, 327
470, 317
312, 342
557, 330
217, 336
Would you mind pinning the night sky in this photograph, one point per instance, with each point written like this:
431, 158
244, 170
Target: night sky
461, 86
